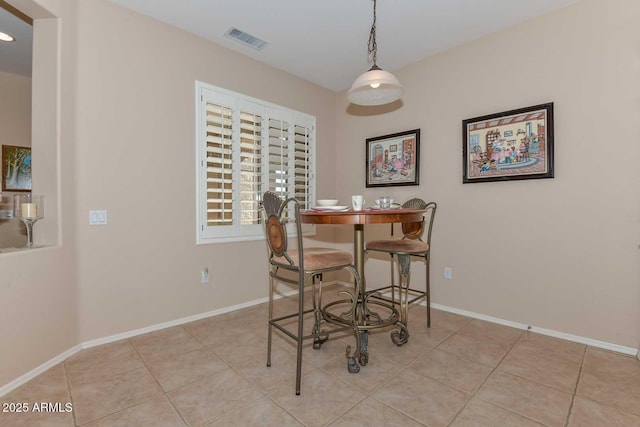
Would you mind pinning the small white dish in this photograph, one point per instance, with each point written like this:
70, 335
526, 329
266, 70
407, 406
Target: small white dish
330, 208
327, 202
393, 206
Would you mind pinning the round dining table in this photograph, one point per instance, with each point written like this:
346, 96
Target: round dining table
367, 319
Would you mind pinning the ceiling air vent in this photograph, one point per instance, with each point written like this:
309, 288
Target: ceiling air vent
245, 38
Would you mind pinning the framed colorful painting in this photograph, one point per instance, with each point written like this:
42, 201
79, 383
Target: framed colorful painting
393, 159
16, 168
516, 144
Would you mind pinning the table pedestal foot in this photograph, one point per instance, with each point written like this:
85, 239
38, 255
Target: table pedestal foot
401, 336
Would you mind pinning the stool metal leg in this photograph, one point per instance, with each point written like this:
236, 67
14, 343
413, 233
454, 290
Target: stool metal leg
428, 288
300, 335
400, 337
270, 329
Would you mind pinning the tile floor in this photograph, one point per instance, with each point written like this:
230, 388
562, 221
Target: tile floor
461, 372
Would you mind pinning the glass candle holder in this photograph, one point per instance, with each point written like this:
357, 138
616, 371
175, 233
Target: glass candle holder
29, 208
385, 202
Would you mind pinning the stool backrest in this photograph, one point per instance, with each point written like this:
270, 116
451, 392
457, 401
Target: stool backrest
275, 209
415, 230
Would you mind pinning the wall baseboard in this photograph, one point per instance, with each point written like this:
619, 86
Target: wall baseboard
7, 388
177, 322
39, 370
549, 332
556, 334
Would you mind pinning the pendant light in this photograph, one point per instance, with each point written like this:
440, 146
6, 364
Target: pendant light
376, 86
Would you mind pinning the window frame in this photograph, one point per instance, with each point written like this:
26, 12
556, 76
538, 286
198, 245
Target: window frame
240, 103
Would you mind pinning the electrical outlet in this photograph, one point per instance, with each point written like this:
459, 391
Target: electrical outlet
205, 275
448, 272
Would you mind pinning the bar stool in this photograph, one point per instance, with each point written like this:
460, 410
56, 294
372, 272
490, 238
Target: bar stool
411, 245
298, 267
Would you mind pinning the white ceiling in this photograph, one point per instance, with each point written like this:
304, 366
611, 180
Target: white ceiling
325, 41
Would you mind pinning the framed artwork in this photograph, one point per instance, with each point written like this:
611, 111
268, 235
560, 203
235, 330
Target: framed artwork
516, 144
393, 159
16, 168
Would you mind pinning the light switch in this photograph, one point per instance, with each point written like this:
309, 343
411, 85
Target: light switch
97, 217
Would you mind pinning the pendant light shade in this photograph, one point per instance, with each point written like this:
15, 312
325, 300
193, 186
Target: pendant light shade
376, 86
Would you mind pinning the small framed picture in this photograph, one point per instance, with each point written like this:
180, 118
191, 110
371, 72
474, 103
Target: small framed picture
16, 168
394, 159
516, 144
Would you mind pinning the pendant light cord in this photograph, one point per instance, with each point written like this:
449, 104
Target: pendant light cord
373, 46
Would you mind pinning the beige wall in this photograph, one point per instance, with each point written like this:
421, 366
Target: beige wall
116, 126
136, 138
15, 109
38, 296
562, 253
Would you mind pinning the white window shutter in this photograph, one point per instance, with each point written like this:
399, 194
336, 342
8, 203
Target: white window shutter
219, 165
251, 168
279, 174
245, 147
303, 163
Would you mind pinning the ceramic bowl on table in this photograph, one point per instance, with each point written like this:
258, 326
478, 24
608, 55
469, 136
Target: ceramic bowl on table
327, 202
